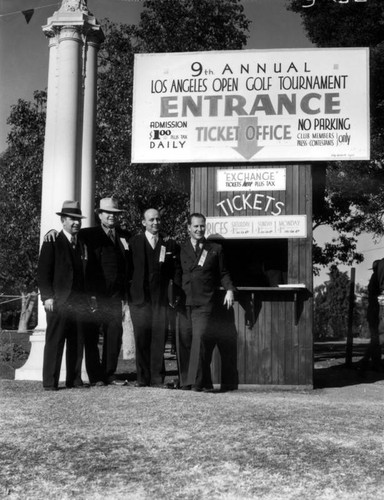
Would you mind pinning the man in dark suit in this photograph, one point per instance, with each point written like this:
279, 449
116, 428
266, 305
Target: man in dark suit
203, 271
107, 285
154, 262
60, 276
375, 288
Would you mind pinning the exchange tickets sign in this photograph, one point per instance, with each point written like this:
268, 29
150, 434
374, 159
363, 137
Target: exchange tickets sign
251, 105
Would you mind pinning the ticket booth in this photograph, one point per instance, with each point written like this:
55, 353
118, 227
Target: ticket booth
249, 122
262, 215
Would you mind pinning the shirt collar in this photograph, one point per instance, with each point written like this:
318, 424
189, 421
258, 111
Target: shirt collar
69, 236
149, 236
107, 229
200, 243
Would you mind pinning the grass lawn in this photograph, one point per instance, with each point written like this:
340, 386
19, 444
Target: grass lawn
128, 443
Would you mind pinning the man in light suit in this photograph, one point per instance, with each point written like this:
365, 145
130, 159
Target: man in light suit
154, 262
203, 271
61, 280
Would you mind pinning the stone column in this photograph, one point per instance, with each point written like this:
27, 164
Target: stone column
33, 366
68, 129
89, 128
69, 150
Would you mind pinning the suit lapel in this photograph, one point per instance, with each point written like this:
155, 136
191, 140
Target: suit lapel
118, 241
142, 249
64, 245
206, 246
106, 237
191, 253
84, 254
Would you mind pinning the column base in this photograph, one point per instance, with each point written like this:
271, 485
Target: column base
33, 368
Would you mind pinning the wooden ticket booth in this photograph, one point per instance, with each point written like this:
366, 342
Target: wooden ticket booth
248, 123
265, 226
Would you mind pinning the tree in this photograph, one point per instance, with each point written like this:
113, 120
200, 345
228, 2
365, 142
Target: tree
201, 25
192, 25
28, 303
331, 305
20, 198
360, 312
354, 190
138, 187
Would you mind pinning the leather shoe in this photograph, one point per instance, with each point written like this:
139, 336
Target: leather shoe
228, 387
159, 386
119, 383
99, 383
140, 384
50, 388
202, 389
194, 388
185, 388
81, 386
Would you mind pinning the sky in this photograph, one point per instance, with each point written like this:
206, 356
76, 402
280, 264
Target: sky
24, 65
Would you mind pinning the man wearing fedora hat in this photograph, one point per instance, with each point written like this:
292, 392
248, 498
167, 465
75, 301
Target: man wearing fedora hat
61, 280
107, 286
107, 280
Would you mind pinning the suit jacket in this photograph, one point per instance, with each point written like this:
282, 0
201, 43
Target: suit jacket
168, 264
55, 270
376, 282
107, 270
200, 282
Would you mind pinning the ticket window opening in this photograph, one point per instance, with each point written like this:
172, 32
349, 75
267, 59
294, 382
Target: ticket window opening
257, 263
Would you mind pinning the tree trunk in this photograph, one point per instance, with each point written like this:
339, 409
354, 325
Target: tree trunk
27, 304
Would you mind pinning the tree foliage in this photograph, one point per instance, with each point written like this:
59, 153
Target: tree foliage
165, 26
331, 305
331, 308
354, 190
192, 25
20, 195
138, 187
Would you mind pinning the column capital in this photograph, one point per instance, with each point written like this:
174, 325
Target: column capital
74, 16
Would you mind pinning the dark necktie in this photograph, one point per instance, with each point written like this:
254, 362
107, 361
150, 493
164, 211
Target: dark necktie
110, 234
73, 242
197, 248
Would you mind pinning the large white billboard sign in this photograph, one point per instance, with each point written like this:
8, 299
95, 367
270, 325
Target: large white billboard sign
251, 105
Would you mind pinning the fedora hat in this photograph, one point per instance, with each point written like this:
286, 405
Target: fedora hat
71, 209
109, 205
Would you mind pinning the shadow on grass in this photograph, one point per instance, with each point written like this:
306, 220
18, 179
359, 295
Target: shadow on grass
343, 376
330, 369
126, 369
